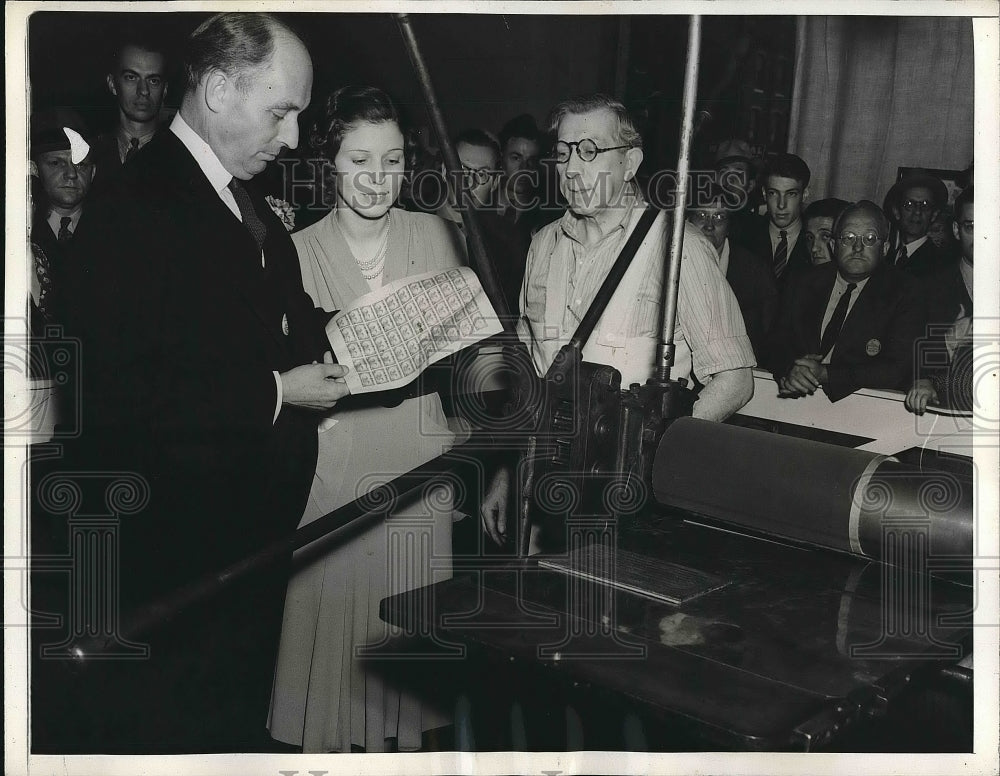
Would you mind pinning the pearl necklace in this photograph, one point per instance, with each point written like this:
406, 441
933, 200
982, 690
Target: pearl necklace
372, 268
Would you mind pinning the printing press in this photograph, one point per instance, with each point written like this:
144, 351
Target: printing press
728, 586
739, 588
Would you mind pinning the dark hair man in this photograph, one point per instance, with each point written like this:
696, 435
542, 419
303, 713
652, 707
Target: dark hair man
137, 79
784, 183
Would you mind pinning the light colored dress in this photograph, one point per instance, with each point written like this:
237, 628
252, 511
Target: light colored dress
324, 699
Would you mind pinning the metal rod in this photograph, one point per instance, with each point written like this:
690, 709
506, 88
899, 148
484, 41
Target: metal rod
373, 505
480, 258
665, 354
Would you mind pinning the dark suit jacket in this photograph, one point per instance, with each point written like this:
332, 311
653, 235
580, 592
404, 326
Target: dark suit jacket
875, 347
757, 239
946, 297
181, 330
753, 284
926, 260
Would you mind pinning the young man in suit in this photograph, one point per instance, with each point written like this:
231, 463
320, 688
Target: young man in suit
137, 79
851, 323
818, 220
204, 363
778, 239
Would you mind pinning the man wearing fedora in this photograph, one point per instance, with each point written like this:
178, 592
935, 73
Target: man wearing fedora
914, 202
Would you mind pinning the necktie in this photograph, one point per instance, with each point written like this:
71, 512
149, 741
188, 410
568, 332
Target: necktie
250, 218
133, 146
836, 323
781, 254
65, 235
901, 255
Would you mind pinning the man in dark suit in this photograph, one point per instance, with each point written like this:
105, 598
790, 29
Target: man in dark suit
137, 79
748, 276
851, 323
944, 357
914, 202
64, 162
203, 364
778, 239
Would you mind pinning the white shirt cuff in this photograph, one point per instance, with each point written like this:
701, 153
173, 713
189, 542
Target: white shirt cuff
277, 406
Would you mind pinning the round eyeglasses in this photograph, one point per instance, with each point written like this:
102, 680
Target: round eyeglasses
850, 239
586, 149
706, 216
480, 176
915, 205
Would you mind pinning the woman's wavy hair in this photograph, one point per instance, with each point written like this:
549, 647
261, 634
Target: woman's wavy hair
347, 107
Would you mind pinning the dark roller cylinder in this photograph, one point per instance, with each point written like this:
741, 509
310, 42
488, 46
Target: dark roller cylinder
837, 497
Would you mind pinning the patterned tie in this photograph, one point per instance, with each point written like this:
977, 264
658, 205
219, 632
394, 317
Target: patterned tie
43, 271
836, 323
781, 254
133, 146
250, 218
65, 235
901, 255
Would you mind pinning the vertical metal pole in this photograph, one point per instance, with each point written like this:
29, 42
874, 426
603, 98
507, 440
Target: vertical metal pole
480, 259
665, 352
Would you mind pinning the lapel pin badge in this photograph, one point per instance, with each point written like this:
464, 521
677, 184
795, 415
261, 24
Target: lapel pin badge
873, 348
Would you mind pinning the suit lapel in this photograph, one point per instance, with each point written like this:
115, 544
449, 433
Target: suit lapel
819, 298
226, 246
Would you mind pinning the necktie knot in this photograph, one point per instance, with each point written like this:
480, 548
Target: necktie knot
133, 146
783, 234
247, 212
64, 232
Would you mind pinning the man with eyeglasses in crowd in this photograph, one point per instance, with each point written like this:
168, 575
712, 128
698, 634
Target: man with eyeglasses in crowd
914, 202
597, 154
479, 155
748, 276
944, 359
850, 323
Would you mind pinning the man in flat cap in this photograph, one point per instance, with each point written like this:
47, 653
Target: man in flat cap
61, 156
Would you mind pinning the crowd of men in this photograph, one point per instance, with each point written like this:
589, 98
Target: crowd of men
206, 361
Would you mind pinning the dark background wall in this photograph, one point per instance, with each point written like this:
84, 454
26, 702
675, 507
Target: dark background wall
487, 68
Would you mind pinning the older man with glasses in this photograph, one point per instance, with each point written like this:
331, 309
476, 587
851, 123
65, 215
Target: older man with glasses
850, 323
597, 153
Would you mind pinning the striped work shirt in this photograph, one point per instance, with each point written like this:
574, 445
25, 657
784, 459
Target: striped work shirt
563, 275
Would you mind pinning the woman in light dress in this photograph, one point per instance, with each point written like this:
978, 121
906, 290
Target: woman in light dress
326, 699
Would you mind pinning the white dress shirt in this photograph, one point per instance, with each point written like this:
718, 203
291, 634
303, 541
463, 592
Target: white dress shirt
839, 289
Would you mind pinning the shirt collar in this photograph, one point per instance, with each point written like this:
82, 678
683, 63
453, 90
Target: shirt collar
965, 268
791, 231
124, 138
841, 284
54, 219
632, 201
913, 247
202, 152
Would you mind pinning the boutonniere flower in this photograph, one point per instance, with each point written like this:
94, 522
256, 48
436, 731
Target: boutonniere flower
283, 210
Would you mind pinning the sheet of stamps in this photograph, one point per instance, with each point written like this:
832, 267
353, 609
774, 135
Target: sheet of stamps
388, 337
